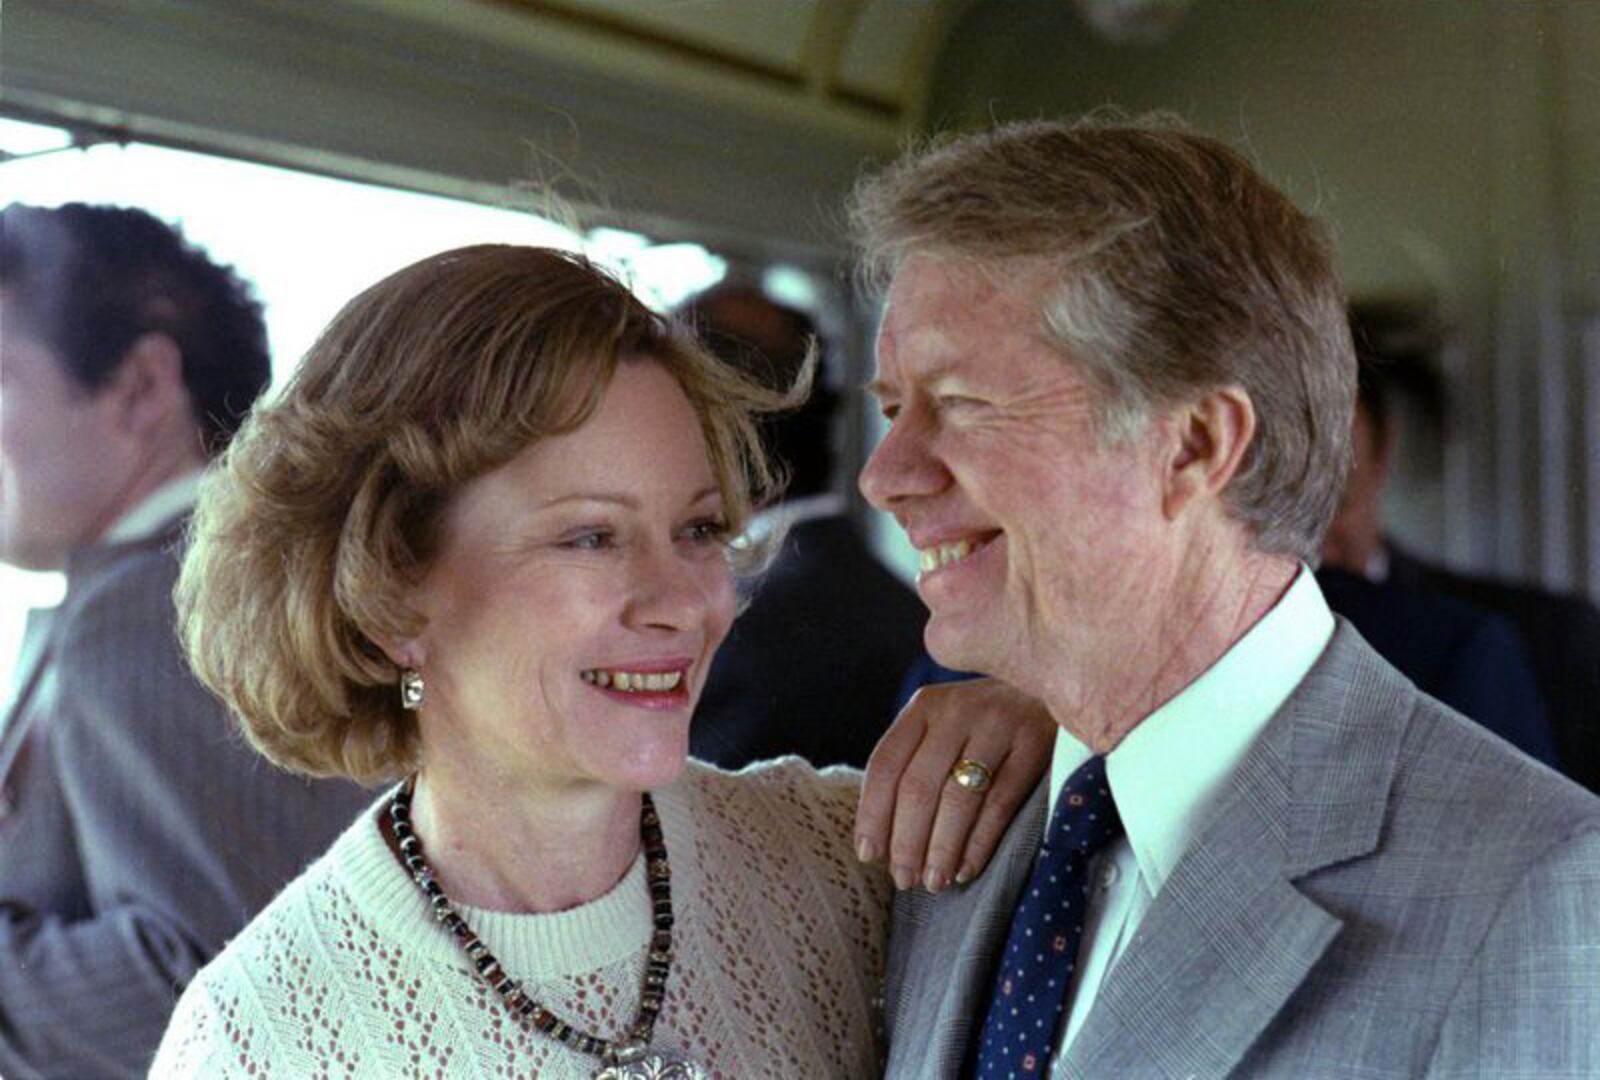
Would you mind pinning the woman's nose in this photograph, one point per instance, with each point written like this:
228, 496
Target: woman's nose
669, 591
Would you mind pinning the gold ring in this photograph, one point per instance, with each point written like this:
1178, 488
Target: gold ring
971, 775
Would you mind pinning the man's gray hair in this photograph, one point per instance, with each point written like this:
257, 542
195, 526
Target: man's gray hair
1172, 268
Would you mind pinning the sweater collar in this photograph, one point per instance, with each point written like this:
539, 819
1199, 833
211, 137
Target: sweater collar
611, 928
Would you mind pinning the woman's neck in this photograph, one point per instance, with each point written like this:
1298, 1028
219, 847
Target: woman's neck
505, 846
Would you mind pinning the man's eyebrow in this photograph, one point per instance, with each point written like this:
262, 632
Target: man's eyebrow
931, 377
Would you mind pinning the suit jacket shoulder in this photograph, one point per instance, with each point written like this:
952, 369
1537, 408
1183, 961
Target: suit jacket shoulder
1349, 908
145, 833
1561, 635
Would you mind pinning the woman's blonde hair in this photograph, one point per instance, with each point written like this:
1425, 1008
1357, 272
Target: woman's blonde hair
327, 505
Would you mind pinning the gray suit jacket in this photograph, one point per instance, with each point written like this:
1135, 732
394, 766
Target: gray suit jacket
137, 831
1386, 890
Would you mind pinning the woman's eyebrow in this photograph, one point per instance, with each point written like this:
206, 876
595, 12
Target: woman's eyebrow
627, 501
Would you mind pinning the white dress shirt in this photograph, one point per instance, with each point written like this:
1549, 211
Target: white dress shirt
1170, 769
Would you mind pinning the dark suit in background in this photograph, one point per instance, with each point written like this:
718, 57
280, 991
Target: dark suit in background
814, 666
138, 831
1561, 637
1467, 658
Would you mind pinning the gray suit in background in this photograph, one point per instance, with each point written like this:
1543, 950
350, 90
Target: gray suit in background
1386, 890
138, 831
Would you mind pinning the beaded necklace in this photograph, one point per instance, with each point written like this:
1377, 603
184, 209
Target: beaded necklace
631, 1059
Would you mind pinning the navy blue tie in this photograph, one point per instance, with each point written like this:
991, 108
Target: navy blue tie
1030, 989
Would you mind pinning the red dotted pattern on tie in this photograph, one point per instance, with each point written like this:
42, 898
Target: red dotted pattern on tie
1030, 992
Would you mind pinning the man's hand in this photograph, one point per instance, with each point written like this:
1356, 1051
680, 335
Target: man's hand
933, 830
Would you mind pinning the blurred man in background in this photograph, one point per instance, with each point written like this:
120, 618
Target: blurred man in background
1466, 656
814, 666
1476, 665
137, 831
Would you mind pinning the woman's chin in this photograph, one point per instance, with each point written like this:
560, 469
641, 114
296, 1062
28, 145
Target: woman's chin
652, 767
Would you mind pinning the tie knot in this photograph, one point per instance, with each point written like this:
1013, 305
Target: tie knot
1085, 817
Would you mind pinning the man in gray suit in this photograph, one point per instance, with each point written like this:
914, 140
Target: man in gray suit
1120, 383
137, 831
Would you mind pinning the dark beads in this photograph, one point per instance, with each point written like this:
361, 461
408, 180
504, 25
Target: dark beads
657, 963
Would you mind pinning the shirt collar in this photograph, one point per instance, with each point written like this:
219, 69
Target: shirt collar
1168, 771
149, 514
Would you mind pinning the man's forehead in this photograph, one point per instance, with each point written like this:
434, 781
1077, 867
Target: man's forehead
943, 320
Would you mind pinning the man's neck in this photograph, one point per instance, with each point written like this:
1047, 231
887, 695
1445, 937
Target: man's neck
1203, 616
156, 477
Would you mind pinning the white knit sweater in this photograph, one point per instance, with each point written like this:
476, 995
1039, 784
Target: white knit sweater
777, 966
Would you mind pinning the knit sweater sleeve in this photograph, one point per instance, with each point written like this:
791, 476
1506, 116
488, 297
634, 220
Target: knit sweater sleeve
194, 1045
794, 921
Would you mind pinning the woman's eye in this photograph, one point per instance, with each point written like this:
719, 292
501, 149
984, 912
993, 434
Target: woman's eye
590, 540
709, 531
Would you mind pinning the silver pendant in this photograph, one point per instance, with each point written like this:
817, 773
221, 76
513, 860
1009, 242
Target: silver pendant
638, 1063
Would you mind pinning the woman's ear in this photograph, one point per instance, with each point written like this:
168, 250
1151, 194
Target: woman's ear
1210, 437
404, 653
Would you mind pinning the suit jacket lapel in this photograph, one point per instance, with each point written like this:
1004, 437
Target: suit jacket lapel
31, 662
1230, 938
976, 919
45, 625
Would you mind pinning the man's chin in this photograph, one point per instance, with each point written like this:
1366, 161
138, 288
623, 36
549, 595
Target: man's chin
34, 559
956, 647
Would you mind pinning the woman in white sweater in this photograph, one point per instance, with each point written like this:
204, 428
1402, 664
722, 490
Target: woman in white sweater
480, 546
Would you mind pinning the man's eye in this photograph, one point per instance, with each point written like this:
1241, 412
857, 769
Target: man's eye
889, 411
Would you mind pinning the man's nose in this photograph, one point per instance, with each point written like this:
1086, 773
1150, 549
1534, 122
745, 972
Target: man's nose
903, 465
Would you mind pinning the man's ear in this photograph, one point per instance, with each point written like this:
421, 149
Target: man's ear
147, 390
1209, 438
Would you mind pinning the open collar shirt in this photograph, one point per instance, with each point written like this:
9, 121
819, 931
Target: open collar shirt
1167, 773
152, 513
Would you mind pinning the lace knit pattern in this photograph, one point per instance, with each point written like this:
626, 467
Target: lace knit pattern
777, 972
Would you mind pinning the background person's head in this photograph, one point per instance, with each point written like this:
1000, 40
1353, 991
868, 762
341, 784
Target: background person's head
1355, 535
129, 358
425, 449
772, 343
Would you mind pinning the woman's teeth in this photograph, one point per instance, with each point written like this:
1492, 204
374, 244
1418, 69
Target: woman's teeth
633, 682
945, 554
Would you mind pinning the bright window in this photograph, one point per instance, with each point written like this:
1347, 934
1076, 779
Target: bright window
309, 243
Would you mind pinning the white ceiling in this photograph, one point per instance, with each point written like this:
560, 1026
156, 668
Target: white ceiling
739, 120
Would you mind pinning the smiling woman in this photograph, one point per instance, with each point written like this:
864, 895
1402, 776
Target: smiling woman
479, 546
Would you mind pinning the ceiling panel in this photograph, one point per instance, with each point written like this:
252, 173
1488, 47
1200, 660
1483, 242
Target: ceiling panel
770, 33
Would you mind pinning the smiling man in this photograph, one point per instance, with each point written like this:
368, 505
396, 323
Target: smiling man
1120, 381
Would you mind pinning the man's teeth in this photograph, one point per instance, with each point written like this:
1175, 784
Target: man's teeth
634, 682
944, 554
